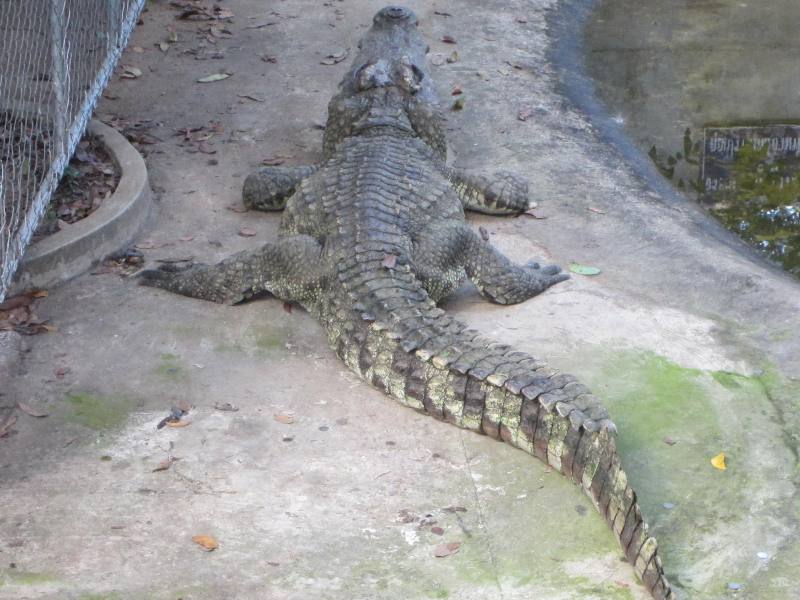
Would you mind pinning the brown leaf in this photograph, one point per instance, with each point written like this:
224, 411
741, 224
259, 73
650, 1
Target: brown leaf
39, 293
206, 542
16, 302
274, 161
448, 39
251, 97
447, 549
165, 464
176, 424
6, 424
29, 410
457, 91
285, 418
247, 232
336, 56
437, 530
226, 407
287, 307
524, 113
389, 261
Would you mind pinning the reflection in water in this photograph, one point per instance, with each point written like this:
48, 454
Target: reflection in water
670, 69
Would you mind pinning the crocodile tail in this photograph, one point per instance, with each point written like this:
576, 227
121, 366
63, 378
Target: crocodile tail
384, 327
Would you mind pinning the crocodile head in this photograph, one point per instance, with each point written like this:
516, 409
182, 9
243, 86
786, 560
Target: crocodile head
388, 85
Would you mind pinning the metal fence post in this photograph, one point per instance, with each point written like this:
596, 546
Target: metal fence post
58, 71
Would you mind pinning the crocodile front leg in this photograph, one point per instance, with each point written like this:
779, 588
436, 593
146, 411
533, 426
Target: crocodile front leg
290, 269
268, 188
444, 251
502, 193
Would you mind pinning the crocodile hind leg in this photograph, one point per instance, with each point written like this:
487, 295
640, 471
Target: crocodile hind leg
442, 250
502, 193
289, 269
268, 188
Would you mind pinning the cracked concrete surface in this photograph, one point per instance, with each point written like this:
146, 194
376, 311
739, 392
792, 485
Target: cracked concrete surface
685, 334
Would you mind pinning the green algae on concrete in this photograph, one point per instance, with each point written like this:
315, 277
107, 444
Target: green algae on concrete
169, 367
672, 420
28, 578
97, 412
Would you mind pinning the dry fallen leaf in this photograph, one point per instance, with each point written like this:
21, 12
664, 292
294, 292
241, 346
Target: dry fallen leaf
448, 39
165, 464
287, 307
176, 424
447, 549
213, 77
718, 461
129, 72
29, 410
437, 530
6, 424
285, 418
206, 542
335, 56
247, 232
524, 113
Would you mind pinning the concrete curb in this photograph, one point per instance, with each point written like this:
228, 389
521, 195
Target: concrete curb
72, 251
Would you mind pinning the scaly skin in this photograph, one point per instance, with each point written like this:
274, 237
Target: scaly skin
375, 235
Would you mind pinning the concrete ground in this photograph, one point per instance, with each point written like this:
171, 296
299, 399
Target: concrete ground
319, 486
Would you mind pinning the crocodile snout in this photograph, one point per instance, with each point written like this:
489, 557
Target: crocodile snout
395, 15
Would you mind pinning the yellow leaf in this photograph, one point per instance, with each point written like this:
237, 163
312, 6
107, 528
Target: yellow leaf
719, 461
207, 542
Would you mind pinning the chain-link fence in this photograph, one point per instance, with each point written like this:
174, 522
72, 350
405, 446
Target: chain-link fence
56, 56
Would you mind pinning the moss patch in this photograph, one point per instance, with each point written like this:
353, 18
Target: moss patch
169, 367
14, 577
97, 412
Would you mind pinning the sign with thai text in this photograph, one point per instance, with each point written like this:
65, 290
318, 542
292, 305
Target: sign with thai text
737, 156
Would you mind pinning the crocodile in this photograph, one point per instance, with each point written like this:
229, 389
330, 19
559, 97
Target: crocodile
373, 236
